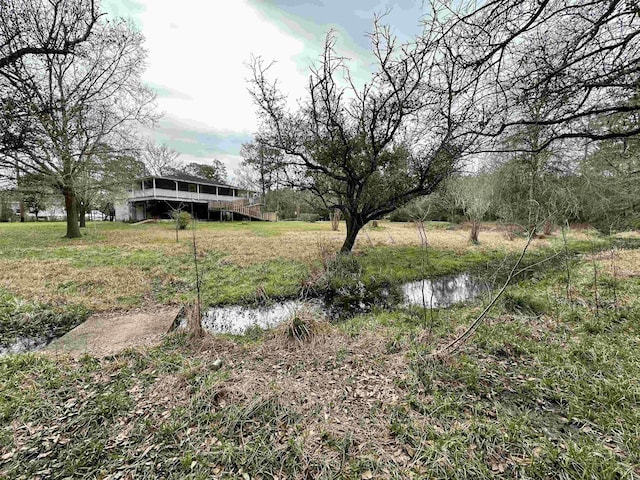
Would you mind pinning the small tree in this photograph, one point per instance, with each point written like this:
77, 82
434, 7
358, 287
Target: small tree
473, 195
266, 162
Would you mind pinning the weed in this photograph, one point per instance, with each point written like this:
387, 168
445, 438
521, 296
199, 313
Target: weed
305, 325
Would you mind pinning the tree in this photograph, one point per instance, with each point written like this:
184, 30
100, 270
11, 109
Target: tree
585, 56
216, 171
37, 27
265, 161
30, 28
81, 110
35, 193
473, 195
160, 160
366, 151
608, 181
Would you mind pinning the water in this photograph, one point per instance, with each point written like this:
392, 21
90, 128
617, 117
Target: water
439, 293
236, 319
25, 344
443, 292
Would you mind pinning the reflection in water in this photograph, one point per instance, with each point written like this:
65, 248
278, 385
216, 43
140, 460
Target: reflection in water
439, 293
443, 291
24, 344
237, 319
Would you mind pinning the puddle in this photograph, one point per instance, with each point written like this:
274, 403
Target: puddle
236, 319
25, 344
443, 292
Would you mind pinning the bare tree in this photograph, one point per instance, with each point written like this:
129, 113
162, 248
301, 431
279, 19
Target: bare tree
160, 159
367, 151
39, 27
473, 195
265, 161
81, 110
583, 57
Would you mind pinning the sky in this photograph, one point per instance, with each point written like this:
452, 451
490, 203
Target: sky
198, 52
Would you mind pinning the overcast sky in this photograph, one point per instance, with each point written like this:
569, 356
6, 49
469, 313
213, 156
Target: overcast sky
198, 50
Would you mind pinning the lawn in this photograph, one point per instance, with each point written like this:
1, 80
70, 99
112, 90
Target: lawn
547, 388
119, 267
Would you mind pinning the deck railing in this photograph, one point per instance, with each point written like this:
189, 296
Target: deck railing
244, 207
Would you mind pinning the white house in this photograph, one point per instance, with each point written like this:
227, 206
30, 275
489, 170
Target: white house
157, 196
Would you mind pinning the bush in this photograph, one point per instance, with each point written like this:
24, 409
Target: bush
309, 217
521, 303
183, 219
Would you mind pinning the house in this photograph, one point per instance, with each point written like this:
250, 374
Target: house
158, 196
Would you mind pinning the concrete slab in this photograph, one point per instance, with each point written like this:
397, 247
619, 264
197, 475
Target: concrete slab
106, 334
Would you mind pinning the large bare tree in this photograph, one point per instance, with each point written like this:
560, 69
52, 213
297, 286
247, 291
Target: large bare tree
367, 150
160, 159
44, 27
475, 76
80, 111
582, 58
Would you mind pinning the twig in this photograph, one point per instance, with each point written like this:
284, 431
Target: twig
567, 267
459, 341
615, 279
198, 313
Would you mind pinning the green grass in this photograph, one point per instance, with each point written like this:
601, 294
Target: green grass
547, 388
19, 318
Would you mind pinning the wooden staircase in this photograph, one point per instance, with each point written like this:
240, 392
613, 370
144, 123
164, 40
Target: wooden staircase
248, 207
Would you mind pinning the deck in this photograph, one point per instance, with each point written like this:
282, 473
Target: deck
248, 207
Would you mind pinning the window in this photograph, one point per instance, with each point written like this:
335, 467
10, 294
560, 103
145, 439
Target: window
193, 188
148, 184
165, 184
225, 191
183, 186
210, 189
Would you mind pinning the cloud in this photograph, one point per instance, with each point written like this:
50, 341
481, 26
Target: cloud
197, 54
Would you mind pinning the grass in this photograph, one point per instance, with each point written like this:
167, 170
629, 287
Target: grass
19, 318
548, 387
121, 267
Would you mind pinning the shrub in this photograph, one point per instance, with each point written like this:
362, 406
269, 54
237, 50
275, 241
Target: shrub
523, 304
309, 217
305, 325
183, 219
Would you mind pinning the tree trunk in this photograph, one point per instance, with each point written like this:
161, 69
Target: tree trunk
548, 227
475, 230
82, 214
353, 228
71, 207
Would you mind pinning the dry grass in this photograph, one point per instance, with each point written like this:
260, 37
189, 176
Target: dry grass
249, 248
618, 263
328, 382
108, 287
57, 281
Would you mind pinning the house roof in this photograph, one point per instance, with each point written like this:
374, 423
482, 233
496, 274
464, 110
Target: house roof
185, 177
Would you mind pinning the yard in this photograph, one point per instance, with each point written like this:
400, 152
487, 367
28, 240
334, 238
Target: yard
547, 388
